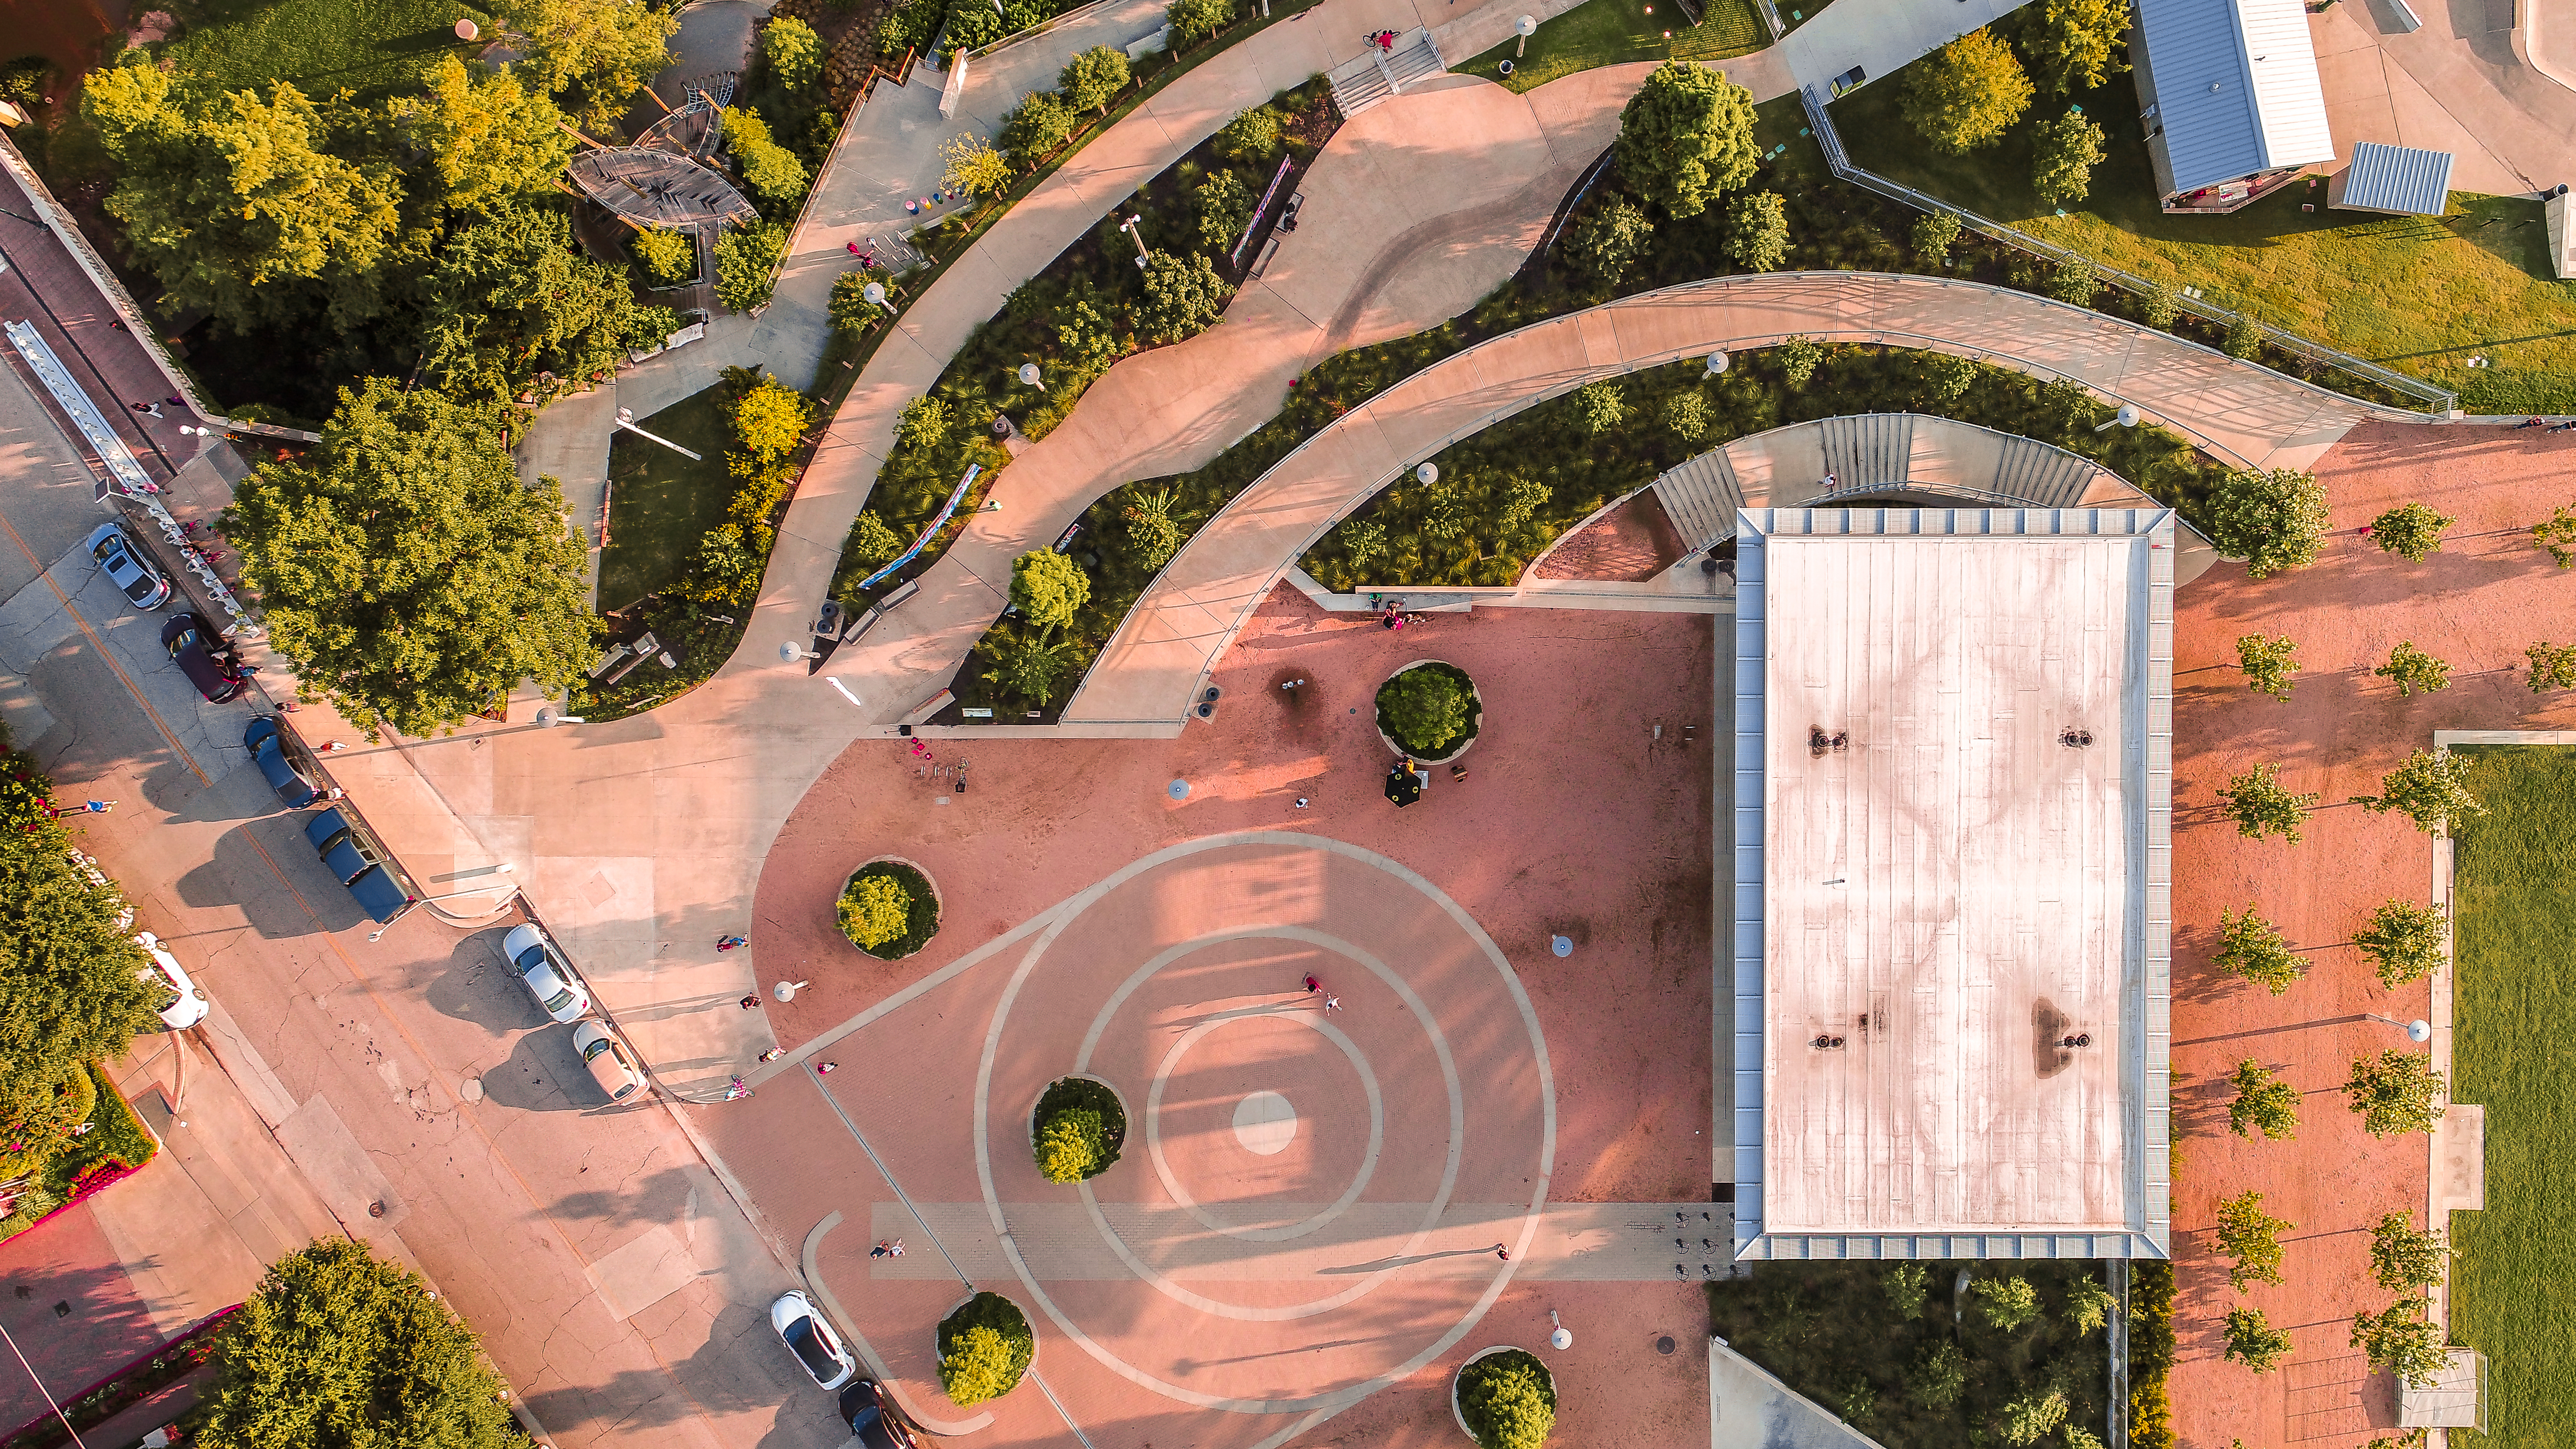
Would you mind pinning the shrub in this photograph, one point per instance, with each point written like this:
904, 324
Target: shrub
1363, 539
2405, 940
1092, 78
2557, 533
1609, 238
2273, 518
984, 1347
747, 265
794, 52
2072, 281
2552, 667
2089, 1305
2069, 148
2399, 1340
2073, 45
1939, 1376
1076, 1129
1686, 136
850, 310
1152, 533
1025, 661
923, 425
667, 257
912, 25
1757, 231
2414, 671
2158, 307
2254, 1342
2244, 339
1946, 379
2430, 790
724, 566
1224, 207
1601, 406
768, 418
2007, 1303
2269, 662
771, 171
1934, 234
1966, 94
2413, 531
973, 24
1424, 710
1048, 588
2264, 1103
2395, 1092
2031, 1415
2403, 1256
1798, 357
1687, 415
2251, 948
969, 165
871, 542
1196, 20
1183, 297
874, 911
1907, 1286
1252, 135
1036, 126
1508, 1400
2261, 806
2251, 1237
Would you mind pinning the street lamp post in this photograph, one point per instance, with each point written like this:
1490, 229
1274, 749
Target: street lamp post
1029, 376
876, 297
1717, 363
2416, 1031
791, 651
2126, 417
1527, 26
1129, 226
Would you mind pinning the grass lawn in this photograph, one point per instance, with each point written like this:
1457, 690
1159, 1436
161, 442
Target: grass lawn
1616, 32
659, 503
373, 47
2514, 893
2417, 294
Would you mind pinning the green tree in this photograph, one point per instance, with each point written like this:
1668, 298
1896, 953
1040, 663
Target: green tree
2073, 45
871, 542
2407, 941
875, 910
850, 310
794, 52
1798, 358
1935, 232
2273, 518
1906, 1286
668, 257
2395, 1092
513, 297
1946, 379
69, 989
245, 210
340, 1348
2251, 948
2251, 1237
2254, 1342
1224, 206
2007, 1302
1686, 136
2269, 662
1252, 135
2068, 150
404, 567
768, 419
1048, 588
2088, 1305
2260, 805
723, 566
1938, 1376
2413, 531
1071, 1145
1196, 20
747, 259
2404, 1256
1026, 662
1601, 406
1609, 238
2030, 1416
2072, 281
2264, 1103
1424, 710
490, 139
1183, 297
923, 424
2399, 1339
2557, 533
1093, 78
2552, 667
1035, 127
984, 1348
1965, 94
1686, 415
971, 166
2244, 339
2413, 670
2431, 790
1507, 1401
1152, 532
2157, 307
601, 51
771, 171
1757, 231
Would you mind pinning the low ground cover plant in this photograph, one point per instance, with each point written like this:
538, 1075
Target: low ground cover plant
1077, 1129
1508, 1400
984, 1348
888, 910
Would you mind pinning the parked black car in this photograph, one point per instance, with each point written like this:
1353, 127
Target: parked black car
194, 649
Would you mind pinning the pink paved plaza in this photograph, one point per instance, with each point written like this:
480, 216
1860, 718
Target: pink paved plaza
1300, 1237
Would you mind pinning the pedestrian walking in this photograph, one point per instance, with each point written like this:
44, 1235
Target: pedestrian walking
727, 943
1502, 1252
1332, 1003
1314, 987
749, 1002
773, 1054
827, 1067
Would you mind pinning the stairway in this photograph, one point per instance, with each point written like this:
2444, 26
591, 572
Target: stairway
1370, 77
1701, 497
2046, 477
1867, 449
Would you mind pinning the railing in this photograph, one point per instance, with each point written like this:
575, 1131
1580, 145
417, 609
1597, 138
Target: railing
1771, 18
2430, 397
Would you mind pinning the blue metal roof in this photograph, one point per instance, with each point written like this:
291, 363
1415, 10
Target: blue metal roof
2235, 87
2397, 178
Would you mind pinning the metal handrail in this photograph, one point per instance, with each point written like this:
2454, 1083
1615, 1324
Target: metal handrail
2433, 398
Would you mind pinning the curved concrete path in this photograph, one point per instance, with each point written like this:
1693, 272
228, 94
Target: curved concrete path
2238, 412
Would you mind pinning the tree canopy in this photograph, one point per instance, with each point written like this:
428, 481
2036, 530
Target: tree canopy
600, 51
1508, 1401
2412, 531
1048, 587
2273, 518
2270, 662
70, 992
2252, 1237
2069, 148
2431, 790
404, 567
2072, 45
1966, 94
794, 52
1757, 231
513, 297
2251, 948
2261, 805
489, 138
2264, 1103
2395, 1092
338, 1349
1092, 77
771, 171
1184, 296
1686, 136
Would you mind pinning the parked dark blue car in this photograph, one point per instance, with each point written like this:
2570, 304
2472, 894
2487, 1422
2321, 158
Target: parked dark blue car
355, 865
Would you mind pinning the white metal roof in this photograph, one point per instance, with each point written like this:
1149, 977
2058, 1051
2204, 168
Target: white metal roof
2397, 178
2235, 87
1934, 881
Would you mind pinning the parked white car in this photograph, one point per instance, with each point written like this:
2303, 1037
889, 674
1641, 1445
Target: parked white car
183, 1002
547, 975
609, 1063
815, 1345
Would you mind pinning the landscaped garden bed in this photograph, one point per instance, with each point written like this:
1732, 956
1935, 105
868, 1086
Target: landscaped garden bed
1077, 1129
1504, 1398
115, 1146
1429, 711
1621, 32
984, 1348
889, 909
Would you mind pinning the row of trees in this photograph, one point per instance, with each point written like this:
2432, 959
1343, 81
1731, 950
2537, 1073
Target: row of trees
2404, 1259
1968, 93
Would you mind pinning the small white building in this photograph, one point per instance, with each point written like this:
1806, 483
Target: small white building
2233, 108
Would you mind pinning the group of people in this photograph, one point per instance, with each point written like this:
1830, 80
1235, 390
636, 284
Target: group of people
1315, 987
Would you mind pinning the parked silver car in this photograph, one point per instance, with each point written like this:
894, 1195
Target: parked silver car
543, 970
127, 567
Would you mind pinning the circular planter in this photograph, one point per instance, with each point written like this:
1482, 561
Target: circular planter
1459, 1414
1457, 747
939, 1340
1085, 1090
916, 882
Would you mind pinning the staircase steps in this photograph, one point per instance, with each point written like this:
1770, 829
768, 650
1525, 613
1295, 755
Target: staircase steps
1701, 497
1869, 449
1372, 76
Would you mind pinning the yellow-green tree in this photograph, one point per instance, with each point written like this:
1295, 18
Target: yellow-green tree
599, 52
1686, 137
490, 139
1966, 94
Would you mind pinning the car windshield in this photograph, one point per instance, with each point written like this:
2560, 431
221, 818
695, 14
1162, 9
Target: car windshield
818, 1358
561, 999
595, 1050
530, 959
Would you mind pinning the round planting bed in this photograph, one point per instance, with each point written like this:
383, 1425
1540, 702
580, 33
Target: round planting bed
983, 1372
1510, 1369
1082, 1153
921, 907
1395, 741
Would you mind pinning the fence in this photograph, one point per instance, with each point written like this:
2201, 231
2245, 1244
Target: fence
2429, 397
1771, 18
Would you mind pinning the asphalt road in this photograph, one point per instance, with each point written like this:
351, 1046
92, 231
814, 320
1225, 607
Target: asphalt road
616, 1284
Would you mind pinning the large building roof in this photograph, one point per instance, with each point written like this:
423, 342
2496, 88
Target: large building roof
2234, 84
1952, 789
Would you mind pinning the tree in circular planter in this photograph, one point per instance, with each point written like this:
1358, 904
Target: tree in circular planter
888, 909
1508, 1400
1429, 709
984, 1347
1077, 1129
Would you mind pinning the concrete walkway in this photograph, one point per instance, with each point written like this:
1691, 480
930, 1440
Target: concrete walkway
1881, 36
2463, 84
2239, 413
